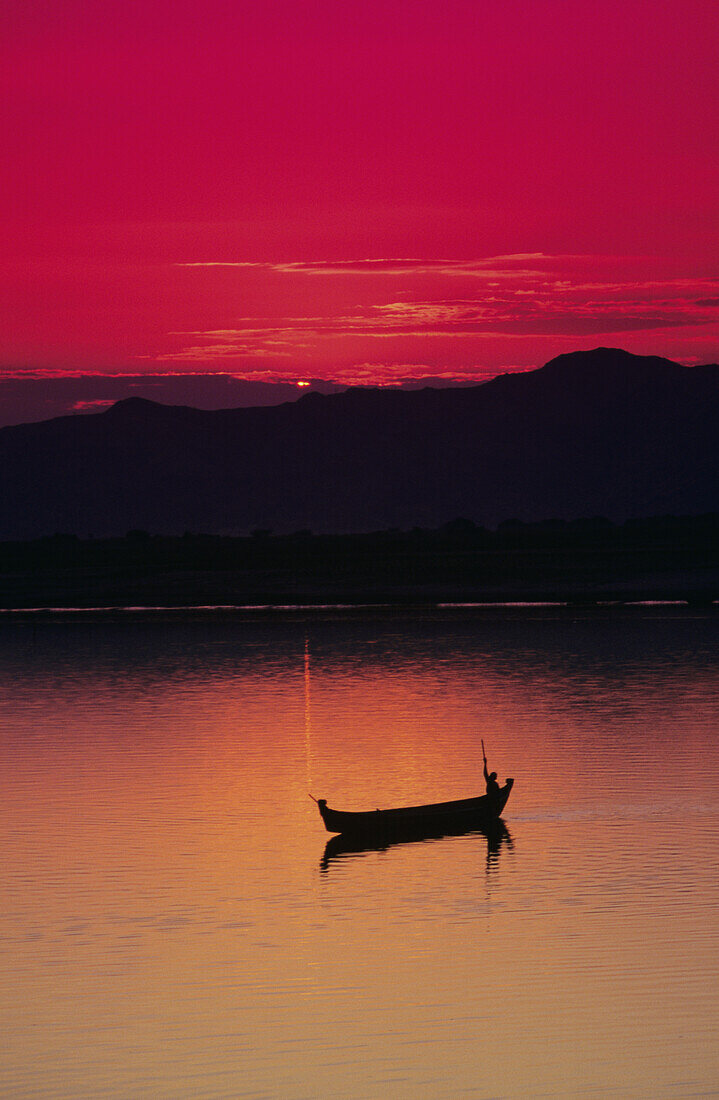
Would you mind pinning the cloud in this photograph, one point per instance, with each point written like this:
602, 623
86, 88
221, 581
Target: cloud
454, 307
225, 349
551, 308
92, 406
491, 266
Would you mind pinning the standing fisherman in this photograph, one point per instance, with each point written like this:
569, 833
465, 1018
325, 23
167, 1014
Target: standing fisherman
490, 778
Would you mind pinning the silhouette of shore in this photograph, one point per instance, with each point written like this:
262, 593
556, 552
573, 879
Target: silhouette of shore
665, 558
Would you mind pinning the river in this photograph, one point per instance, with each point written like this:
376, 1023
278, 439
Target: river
173, 925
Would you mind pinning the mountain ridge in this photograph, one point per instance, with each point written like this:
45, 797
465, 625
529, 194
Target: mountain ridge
602, 432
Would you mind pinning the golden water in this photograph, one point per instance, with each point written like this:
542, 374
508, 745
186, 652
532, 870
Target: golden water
170, 929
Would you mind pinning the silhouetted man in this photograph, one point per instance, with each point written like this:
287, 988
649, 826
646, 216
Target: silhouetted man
490, 778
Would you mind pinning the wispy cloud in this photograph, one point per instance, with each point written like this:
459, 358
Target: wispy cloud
499, 266
546, 309
230, 347
443, 310
92, 406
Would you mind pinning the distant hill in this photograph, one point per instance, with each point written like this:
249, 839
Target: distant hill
591, 433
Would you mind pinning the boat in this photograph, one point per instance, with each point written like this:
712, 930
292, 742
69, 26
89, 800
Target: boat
467, 813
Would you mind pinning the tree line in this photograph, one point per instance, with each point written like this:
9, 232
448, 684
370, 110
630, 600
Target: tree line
682, 535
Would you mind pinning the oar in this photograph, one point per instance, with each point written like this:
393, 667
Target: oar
313, 798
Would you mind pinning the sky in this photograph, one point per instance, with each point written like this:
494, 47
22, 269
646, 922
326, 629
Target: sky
202, 200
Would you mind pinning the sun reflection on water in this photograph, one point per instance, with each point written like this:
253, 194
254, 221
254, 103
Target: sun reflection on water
177, 923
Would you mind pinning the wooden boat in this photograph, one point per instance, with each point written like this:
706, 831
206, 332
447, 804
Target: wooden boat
466, 813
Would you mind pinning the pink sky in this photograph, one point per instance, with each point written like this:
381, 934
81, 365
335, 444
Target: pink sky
356, 192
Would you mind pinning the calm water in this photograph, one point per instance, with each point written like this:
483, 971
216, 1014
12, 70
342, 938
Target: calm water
171, 926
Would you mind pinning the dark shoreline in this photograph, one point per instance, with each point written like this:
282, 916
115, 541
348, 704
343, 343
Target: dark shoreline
393, 616
584, 563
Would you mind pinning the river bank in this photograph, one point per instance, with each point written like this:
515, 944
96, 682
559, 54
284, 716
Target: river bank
587, 562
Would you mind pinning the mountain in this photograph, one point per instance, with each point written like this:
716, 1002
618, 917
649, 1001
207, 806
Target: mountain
591, 433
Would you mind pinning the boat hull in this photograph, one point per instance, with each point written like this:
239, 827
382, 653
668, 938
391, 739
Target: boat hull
466, 813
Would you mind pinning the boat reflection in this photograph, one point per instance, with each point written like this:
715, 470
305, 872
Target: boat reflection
344, 846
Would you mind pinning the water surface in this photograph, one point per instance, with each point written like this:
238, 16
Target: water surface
173, 925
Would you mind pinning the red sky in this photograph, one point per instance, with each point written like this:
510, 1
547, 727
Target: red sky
356, 192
